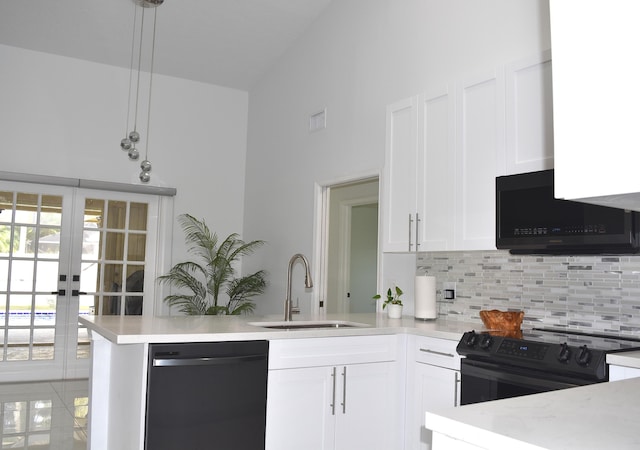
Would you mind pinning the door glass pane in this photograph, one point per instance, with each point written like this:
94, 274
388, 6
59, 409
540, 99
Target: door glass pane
137, 247
138, 219
117, 214
49, 242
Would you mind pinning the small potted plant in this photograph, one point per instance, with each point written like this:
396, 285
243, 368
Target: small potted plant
393, 300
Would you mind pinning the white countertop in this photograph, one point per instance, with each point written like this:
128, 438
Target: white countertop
164, 329
598, 416
626, 359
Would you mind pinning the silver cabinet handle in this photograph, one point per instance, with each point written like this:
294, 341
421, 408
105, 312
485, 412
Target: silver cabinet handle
455, 391
344, 390
417, 228
410, 222
333, 398
433, 352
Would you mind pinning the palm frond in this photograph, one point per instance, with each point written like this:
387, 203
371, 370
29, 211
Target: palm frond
214, 272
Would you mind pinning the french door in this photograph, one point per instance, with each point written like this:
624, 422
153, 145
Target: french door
67, 251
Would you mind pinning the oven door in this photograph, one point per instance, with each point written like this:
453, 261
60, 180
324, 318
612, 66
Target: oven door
483, 381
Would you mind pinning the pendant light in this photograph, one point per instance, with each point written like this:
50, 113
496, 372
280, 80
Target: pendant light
128, 143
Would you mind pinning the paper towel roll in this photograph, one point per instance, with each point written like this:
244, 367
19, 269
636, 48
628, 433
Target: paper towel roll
425, 297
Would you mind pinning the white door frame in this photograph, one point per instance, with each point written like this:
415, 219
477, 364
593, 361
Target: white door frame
321, 234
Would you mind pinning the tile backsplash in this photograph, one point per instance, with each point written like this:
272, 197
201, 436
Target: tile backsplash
600, 293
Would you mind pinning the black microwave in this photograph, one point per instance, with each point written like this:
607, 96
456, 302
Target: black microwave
530, 220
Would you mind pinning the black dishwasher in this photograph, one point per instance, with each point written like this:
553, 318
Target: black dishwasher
207, 396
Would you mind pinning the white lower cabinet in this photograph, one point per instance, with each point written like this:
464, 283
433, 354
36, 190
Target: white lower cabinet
335, 393
622, 373
433, 382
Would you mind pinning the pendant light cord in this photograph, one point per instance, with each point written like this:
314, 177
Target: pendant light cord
133, 43
153, 52
135, 123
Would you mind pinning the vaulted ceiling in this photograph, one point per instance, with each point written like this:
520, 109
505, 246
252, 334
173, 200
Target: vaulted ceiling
224, 42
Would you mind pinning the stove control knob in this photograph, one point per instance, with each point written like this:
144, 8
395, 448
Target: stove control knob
486, 341
471, 340
565, 353
584, 356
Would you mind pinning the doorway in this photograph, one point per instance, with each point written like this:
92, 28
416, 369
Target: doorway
351, 246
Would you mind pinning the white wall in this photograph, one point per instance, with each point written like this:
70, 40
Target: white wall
359, 56
66, 117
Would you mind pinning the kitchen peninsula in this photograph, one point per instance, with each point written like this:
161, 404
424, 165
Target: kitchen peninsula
120, 348
597, 416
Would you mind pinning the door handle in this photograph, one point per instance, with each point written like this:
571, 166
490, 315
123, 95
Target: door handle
60, 292
333, 398
75, 293
417, 228
410, 234
344, 390
455, 391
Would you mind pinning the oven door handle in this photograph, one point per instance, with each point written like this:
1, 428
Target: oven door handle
498, 373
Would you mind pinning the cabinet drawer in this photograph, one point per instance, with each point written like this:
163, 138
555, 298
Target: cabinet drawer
435, 351
313, 352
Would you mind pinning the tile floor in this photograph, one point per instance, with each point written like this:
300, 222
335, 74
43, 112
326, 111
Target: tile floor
48, 415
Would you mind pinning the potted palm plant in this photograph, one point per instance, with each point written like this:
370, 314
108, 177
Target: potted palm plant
200, 283
393, 302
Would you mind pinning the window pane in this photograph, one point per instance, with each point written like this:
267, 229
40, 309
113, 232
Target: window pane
91, 244
24, 241
47, 278
138, 219
137, 243
89, 277
19, 310
49, 243
18, 340
5, 239
45, 309
51, 210
117, 214
4, 274
114, 249
43, 347
22, 276
26, 208
6, 206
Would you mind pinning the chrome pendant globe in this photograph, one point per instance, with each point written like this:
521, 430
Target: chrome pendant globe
134, 154
126, 144
145, 177
145, 165
134, 136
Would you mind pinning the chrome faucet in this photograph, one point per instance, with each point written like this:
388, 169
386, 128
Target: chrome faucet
307, 282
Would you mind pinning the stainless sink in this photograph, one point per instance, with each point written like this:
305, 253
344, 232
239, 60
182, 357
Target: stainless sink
309, 325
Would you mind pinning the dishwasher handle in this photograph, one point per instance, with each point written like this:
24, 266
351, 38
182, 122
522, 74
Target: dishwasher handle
207, 360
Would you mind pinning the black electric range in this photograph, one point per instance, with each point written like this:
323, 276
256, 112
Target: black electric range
507, 364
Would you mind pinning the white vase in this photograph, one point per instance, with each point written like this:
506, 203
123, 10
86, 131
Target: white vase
394, 311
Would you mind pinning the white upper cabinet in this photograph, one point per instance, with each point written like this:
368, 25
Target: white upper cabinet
596, 90
436, 165
480, 158
400, 177
529, 115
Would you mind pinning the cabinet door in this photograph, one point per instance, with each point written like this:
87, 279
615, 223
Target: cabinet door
480, 158
365, 416
529, 117
436, 177
399, 182
431, 388
299, 411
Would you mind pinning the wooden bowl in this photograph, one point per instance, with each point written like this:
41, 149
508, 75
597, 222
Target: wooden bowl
502, 320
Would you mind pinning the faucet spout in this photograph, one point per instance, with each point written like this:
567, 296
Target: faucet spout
307, 282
